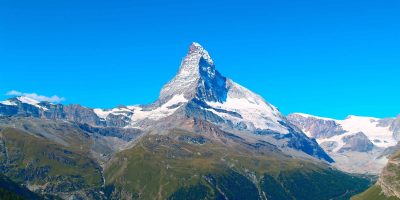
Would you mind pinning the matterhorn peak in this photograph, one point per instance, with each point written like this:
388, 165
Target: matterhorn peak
198, 80
196, 49
197, 71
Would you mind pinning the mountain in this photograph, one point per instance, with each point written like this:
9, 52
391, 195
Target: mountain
27, 107
197, 91
210, 138
57, 157
357, 144
205, 137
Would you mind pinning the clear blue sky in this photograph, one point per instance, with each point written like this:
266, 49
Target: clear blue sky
330, 58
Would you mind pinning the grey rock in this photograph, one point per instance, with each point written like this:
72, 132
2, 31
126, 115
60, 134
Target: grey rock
318, 128
358, 142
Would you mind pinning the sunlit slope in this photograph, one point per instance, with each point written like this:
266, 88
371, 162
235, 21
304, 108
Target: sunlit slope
47, 167
184, 165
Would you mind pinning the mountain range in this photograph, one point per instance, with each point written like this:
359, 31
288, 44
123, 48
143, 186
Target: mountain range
357, 144
205, 137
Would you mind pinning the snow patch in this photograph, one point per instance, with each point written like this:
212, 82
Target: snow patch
253, 109
162, 111
369, 126
103, 114
189, 73
8, 103
378, 135
30, 101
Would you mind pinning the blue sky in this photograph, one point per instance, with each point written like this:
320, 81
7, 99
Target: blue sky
329, 58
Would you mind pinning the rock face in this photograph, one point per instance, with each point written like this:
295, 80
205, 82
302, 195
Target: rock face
395, 127
197, 77
357, 144
316, 127
26, 107
388, 185
390, 177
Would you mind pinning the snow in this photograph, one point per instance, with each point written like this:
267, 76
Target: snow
308, 133
369, 126
28, 100
253, 109
202, 51
159, 112
355, 124
31, 101
101, 113
337, 138
8, 103
188, 74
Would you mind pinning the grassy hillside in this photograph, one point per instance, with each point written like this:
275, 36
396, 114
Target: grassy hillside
183, 165
373, 193
177, 165
48, 167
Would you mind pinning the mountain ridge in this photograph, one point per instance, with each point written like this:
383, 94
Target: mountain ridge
198, 90
368, 139
205, 136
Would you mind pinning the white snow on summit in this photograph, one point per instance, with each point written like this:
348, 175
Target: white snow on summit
198, 79
28, 100
188, 74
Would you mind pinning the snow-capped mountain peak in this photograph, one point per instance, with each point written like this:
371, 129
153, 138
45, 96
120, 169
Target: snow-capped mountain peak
221, 98
24, 100
28, 100
197, 93
8, 103
196, 49
197, 69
